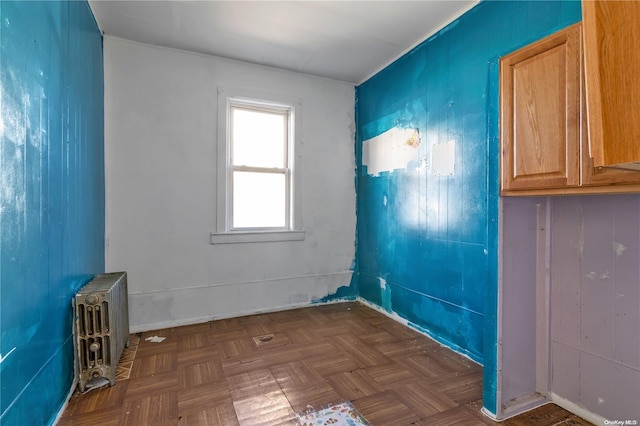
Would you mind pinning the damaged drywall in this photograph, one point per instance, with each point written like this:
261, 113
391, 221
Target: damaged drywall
394, 149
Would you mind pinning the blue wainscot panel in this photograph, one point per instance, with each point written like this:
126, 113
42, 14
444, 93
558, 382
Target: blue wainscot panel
51, 196
427, 177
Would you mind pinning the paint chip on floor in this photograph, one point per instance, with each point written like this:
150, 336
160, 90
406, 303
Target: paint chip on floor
343, 414
155, 339
262, 340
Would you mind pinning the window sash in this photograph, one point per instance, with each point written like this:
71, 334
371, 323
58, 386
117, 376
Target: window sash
286, 170
287, 198
273, 110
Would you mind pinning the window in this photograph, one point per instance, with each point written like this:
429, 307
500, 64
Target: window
257, 191
259, 166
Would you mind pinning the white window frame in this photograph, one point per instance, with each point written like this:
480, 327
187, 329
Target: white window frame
293, 231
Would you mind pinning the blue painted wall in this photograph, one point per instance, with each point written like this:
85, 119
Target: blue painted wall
427, 246
51, 196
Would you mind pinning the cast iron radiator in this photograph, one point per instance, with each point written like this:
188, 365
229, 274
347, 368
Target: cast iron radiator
102, 328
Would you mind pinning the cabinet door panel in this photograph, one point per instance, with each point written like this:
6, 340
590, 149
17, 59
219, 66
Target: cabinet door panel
540, 113
539, 108
612, 61
593, 176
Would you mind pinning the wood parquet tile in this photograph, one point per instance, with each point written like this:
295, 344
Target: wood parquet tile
423, 365
390, 374
148, 385
160, 408
197, 398
254, 383
422, 399
462, 388
385, 408
357, 350
352, 385
452, 417
105, 417
154, 364
98, 399
265, 369
146, 348
198, 355
201, 373
295, 373
310, 395
271, 408
194, 341
221, 412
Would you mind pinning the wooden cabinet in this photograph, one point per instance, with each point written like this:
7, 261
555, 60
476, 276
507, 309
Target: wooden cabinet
612, 76
545, 133
604, 179
540, 113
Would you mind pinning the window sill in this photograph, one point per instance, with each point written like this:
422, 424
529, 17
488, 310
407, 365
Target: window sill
256, 237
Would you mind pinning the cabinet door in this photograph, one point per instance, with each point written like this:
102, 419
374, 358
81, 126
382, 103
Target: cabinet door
593, 176
612, 64
540, 113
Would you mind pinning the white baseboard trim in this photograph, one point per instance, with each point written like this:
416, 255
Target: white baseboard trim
488, 414
160, 309
577, 409
74, 384
522, 405
191, 321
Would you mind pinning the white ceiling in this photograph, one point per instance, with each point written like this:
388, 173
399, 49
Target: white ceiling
343, 40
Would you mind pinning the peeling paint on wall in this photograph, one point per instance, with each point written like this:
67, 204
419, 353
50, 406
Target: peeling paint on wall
386, 295
393, 149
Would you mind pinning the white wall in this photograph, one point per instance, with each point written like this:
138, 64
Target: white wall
160, 154
570, 297
595, 305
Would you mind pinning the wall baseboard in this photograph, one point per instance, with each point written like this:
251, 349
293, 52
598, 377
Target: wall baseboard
488, 414
157, 309
191, 321
521, 405
577, 409
74, 384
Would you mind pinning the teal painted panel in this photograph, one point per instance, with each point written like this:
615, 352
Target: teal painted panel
369, 288
51, 195
427, 245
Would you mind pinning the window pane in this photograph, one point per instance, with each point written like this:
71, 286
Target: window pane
259, 200
258, 138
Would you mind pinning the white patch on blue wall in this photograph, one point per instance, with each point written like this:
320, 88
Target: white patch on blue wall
443, 158
391, 150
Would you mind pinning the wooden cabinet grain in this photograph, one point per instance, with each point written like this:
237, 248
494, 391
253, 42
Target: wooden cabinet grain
612, 75
540, 113
549, 140
604, 179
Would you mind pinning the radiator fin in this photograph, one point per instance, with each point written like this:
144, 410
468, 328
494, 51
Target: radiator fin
102, 328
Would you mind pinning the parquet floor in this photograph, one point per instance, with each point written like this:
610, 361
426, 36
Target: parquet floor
264, 369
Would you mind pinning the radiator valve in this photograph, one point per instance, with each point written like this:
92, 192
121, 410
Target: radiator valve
92, 299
